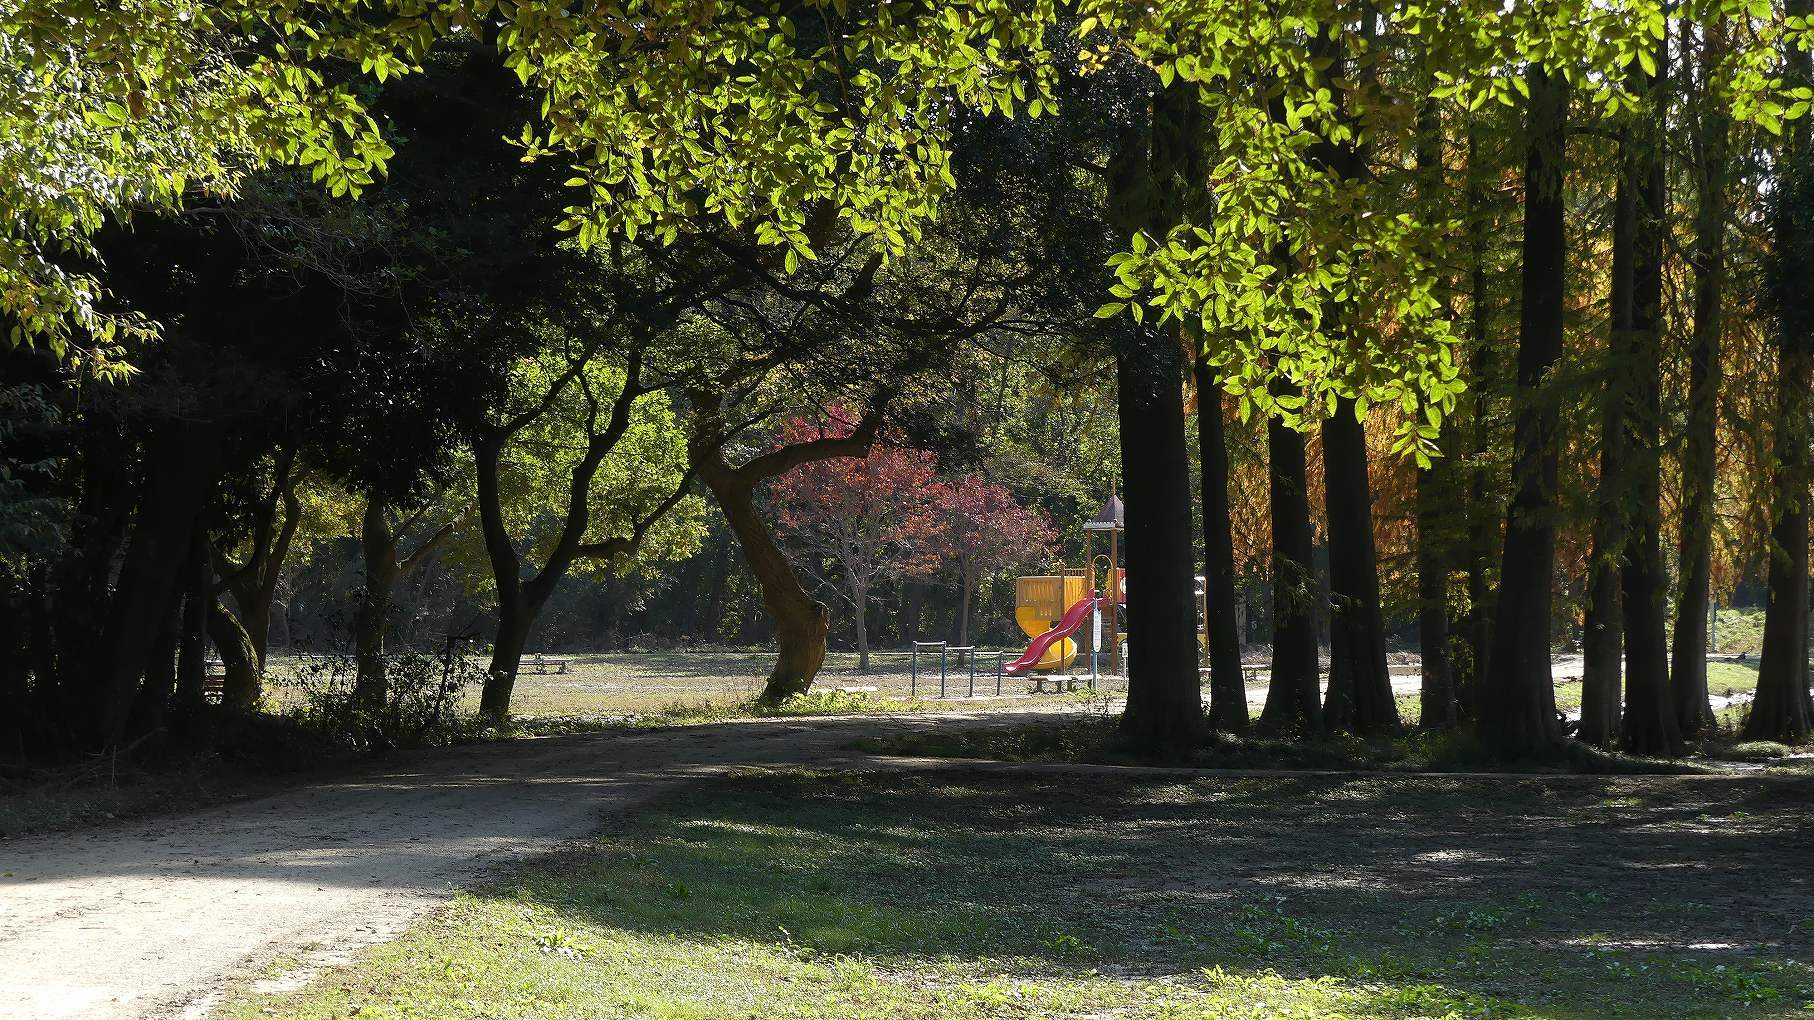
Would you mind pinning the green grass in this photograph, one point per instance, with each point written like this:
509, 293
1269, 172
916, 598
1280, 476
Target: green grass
606, 689
986, 897
1095, 739
1739, 630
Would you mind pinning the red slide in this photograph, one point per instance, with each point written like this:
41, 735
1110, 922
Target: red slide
1073, 619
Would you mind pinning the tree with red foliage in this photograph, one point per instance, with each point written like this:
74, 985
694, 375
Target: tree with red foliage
868, 519
986, 532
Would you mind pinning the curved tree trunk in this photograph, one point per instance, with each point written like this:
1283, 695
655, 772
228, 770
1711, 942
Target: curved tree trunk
1293, 701
243, 686
1363, 703
801, 621
1227, 688
1518, 699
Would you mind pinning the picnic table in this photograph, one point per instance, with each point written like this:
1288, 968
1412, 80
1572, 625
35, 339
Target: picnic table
541, 665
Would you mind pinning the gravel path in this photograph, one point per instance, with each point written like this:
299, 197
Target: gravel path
154, 918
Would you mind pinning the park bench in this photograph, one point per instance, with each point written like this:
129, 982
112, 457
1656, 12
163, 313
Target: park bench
1061, 682
541, 665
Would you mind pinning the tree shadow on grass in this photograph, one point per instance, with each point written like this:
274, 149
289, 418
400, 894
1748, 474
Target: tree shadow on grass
1607, 897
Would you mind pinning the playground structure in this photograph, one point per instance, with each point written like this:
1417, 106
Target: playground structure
1053, 608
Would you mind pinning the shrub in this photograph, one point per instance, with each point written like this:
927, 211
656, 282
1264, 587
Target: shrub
420, 708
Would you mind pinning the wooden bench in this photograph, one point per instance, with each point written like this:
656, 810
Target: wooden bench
1061, 682
540, 665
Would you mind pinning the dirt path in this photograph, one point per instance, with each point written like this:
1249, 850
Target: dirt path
153, 918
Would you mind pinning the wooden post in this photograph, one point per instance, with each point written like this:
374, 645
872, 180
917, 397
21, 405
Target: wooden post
1114, 596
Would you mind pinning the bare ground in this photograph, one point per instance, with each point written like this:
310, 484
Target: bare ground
159, 917
154, 917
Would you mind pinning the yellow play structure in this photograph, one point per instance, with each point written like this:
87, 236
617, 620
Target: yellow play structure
1051, 608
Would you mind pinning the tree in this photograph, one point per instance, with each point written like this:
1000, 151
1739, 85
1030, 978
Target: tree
983, 531
1518, 703
801, 621
1710, 130
1782, 709
1293, 696
1164, 713
1227, 685
874, 517
1649, 725
582, 460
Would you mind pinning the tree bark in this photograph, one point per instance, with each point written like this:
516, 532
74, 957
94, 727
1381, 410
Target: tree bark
378, 549
1782, 710
1694, 543
192, 633
184, 462
1518, 699
1649, 726
859, 604
1362, 703
1437, 708
801, 621
243, 685
1164, 713
1150, 178
1227, 688
1293, 701
1482, 514
1603, 631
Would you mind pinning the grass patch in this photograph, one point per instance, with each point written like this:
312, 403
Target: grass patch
1096, 739
703, 712
988, 897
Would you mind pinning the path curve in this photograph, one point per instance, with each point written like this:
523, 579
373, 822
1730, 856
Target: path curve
156, 917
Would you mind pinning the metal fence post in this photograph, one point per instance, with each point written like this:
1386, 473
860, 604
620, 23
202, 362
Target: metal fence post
944, 652
998, 662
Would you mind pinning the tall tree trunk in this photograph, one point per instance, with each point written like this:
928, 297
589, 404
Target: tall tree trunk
1437, 705
1782, 709
1435, 487
1363, 702
1603, 637
913, 596
378, 548
1688, 654
1227, 689
1518, 699
1293, 701
192, 631
184, 462
1482, 513
1649, 725
966, 592
859, 599
1164, 711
